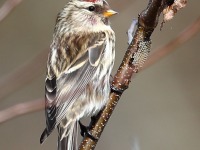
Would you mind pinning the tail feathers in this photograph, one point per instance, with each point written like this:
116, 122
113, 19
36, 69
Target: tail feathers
44, 135
68, 142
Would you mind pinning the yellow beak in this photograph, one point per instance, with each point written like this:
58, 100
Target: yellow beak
109, 13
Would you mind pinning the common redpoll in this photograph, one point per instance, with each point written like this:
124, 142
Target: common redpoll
78, 68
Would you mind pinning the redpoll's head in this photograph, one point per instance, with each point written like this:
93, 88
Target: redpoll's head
86, 14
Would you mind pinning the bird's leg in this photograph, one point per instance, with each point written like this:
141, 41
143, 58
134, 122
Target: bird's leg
94, 119
86, 132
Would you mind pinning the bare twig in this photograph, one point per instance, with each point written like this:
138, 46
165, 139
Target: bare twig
21, 109
7, 8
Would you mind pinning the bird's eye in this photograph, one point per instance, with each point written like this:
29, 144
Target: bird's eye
91, 8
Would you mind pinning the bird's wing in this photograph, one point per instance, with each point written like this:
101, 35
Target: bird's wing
63, 90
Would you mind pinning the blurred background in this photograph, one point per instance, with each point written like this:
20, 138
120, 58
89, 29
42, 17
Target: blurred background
159, 111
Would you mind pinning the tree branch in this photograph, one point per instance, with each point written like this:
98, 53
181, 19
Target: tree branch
21, 109
133, 60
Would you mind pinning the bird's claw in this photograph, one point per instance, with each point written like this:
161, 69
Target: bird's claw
85, 132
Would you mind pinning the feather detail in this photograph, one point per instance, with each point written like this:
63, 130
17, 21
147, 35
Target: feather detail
69, 141
95, 53
64, 85
43, 136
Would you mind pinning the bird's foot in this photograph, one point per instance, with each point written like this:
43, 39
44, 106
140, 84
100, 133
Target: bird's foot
118, 91
85, 132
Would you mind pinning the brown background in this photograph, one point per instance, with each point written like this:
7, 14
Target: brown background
159, 111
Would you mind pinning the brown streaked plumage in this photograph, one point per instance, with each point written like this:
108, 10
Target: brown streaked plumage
78, 68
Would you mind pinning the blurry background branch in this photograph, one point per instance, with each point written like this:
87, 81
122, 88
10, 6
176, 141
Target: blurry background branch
21, 109
8, 7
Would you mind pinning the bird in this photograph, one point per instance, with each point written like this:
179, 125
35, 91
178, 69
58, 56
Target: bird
79, 66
